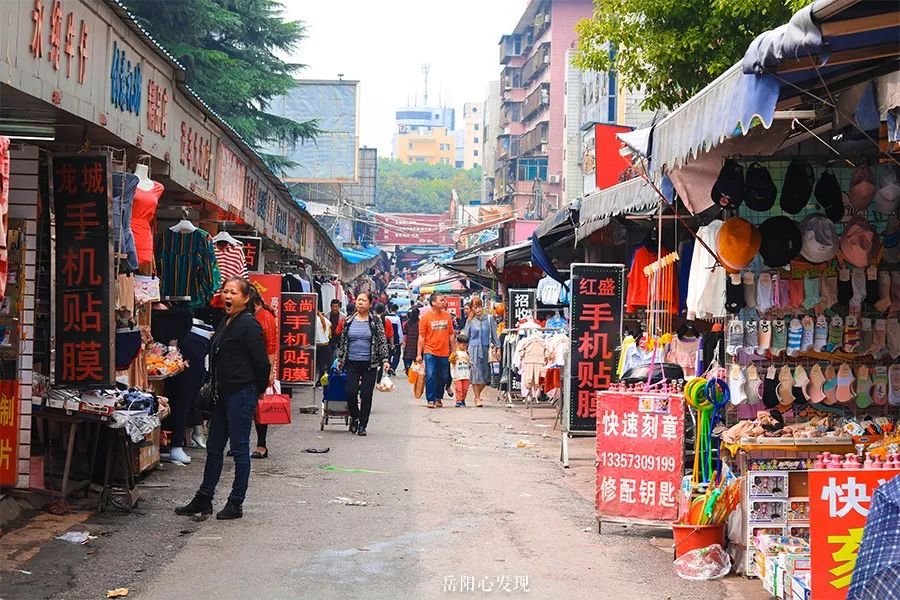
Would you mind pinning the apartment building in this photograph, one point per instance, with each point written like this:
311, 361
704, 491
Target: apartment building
434, 146
473, 134
490, 125
530, 144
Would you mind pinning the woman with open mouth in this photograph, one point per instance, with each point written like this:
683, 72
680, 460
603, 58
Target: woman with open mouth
239, 369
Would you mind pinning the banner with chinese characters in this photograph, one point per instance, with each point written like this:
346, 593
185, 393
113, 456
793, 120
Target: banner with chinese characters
522, 304
84, 320
9, 431
839, 503
252, 252
595, 329
297, 355
640, 440
269, 288
454, 306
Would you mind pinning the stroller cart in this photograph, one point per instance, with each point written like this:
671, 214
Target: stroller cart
334, 398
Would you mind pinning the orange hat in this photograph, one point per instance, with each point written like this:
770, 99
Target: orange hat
738, 243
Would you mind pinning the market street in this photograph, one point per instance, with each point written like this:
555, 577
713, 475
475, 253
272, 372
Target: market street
451, 496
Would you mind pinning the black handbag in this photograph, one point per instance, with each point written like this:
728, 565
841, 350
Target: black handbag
207, 398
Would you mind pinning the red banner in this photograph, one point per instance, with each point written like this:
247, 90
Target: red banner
413, 229
9, 431
454, 305
297, 354
839, 504
640, 439
269, 287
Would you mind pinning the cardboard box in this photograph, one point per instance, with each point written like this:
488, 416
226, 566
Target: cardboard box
800, 587
145, 456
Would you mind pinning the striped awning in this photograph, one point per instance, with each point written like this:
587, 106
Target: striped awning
631, 196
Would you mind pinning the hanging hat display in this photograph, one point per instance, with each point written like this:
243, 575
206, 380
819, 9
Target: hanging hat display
820, 239
781, 241
829, 197
888, 194
798, 186
728, 190
862, 188
759, 189
859, 242
738, 243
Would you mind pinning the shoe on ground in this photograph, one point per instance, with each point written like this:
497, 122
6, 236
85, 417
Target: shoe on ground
200, 505
198, 438
450, 393
438, 403
231, 511
179, 455
361, 432
354, 425
431, 405
460, 404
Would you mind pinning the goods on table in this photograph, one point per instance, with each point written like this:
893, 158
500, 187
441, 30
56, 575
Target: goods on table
164, 361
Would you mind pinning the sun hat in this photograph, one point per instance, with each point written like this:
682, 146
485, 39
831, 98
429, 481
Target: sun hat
820, 239
862, 188
759, 189
829, 196
728, 190
738, 243
859, 242
798, 186
781, 241
888, 195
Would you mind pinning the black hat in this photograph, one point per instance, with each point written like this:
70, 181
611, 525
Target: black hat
728, 190
781, 241
798, 185
759, 188
829, 196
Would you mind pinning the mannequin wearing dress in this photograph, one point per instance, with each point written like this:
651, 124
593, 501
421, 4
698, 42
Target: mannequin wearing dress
146, 199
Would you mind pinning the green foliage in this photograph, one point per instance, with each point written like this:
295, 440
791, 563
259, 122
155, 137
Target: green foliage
422, 188
672, 48
228, 48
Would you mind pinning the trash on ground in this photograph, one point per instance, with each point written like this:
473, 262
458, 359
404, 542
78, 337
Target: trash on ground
703, 564
24, 572
117, 593
76, 537
349, 501
522, 444
148, 484
333, 469
317, 450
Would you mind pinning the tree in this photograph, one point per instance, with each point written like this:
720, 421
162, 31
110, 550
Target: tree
672, 48
422, 188
228, 48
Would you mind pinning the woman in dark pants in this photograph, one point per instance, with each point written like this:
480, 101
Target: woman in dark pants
362, 351
266, 318
240, 371
411, 343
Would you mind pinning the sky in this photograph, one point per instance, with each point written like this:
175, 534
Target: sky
384, 44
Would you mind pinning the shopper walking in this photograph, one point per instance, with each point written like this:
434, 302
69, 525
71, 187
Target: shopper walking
362, 351
267, 320
435, 345
240, 372
481, 331
411, 338
397, 326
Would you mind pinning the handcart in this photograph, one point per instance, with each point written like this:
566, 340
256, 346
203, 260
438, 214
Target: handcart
334, 398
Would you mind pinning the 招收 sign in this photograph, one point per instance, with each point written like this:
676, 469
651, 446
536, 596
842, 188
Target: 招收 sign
596, 334
522, 305
84, 319
297, 356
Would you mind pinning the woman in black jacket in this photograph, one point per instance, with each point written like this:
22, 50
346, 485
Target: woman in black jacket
239, 368
411, 341
363, 350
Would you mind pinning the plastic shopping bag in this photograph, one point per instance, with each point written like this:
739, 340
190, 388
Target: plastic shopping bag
274, 408
419, 385
385, 385
703, 564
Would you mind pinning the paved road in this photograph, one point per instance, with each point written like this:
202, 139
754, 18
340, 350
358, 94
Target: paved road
451, 502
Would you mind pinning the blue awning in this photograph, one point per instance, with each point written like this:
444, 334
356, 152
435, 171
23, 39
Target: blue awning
838, 43
358, 255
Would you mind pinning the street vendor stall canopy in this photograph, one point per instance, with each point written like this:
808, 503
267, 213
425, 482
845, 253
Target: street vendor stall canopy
632, 196
358, 255
825, 48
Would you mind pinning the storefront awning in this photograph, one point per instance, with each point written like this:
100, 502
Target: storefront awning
833, 43
358, 255
555, 221
597, 208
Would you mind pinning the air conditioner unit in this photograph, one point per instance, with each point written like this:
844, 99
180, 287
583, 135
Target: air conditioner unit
553, 178
547, 59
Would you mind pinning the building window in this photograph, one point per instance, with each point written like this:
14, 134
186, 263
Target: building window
529, 169
475, 140
459, 164
410, 145
476, 126
475, 152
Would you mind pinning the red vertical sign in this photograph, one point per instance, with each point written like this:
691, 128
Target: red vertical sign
454, 305
839, 502
640, 440
84, 319
297, 353
596, 333
9, 431
269, 288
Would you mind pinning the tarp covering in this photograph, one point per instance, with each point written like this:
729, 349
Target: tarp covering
358, 255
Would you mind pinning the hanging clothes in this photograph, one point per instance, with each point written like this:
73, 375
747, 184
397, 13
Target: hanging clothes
329, 293
143, 213
548, 291
124, 187
639, 292
685, 257
706, 285
188, 266
684, 352
231, 260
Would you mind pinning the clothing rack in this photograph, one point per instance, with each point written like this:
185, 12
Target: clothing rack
507, 355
